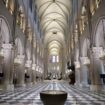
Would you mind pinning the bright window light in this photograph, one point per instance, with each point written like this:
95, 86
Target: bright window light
57, 58
53, 59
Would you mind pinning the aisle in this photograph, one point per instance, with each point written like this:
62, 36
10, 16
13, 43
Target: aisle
30, 95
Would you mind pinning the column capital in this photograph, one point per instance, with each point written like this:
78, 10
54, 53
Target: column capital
19, 59
7, 46
99, 52
37, 68
28, 63
77, 64
4, 48
85, 60
33, 66
1, 53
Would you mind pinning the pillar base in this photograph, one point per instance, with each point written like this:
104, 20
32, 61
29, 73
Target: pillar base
20, 85
84, 85
1, 87
29, 84
34, 82
9, 87
77, 84
95, 88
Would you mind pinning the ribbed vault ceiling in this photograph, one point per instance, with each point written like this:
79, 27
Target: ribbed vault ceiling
54, 16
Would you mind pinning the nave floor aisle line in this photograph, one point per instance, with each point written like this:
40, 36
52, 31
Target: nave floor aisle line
78, 96
30, 95
24, 96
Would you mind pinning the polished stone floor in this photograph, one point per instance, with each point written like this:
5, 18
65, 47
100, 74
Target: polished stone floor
30, 95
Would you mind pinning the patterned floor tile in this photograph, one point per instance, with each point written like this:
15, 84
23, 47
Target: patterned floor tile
30, 95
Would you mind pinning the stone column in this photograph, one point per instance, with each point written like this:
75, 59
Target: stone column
95, 75
38, 73
29, 80
34, 73
34, 76
77, 77
84, 81
7, 66
62, 55
102, 72
12, 69
96, 69
45, 62
29, 72
77, 73
20, 71
84, 67
21, 75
